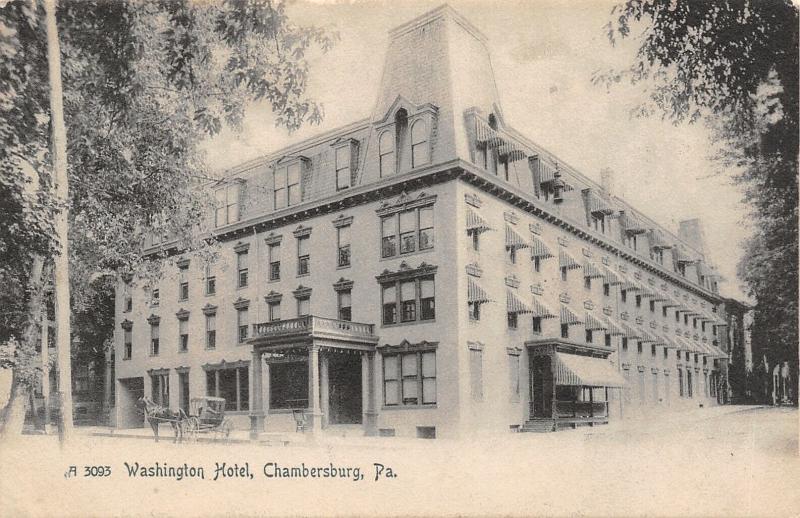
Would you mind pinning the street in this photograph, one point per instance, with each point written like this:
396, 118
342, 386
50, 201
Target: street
726, 461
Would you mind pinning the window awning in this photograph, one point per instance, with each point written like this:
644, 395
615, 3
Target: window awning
668, 301
599, 202
647, 292
507, 146
514, 241
629, 283
541, 311
685, 344
611, 277
567, 261
514, 305
614, 328
475, 222
585, 371
631, 223
631, 332
658, 240
475, 293
539, 249
568, 317
681, 256
593, 323
646, 336
667, 341
591, 270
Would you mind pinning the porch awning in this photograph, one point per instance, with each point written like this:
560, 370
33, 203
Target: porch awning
539, 249
593, 323
591, 270
514, 305
614, 327
567, 261
585, 371
514, 241
568, 317
541, 311
475, 222
475, 293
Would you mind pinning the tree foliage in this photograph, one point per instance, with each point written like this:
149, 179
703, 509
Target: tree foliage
144, 83
735, 65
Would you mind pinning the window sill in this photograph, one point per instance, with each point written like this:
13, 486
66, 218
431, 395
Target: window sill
183, 300
411, 323
409, 407
408, 254
210, 294
242, 287
183, 351
302, 275
344, 267
210, 348
126, 359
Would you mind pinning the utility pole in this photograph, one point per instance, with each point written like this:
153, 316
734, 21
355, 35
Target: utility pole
61, 260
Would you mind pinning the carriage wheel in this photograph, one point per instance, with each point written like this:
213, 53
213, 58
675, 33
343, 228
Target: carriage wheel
191, 427
225, 429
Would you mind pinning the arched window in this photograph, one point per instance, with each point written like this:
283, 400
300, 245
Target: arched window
400, 139
386, 153
419, 144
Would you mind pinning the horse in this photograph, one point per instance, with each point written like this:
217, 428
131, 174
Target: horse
156, 414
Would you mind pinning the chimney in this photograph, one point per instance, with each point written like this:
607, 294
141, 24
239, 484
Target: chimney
607, 180
691, 231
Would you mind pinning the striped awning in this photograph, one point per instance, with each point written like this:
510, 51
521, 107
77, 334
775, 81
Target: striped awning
681, 256
475, 293
668, 301
647, 336
631, 332
668, 341
599, 202
631, 222
658, 240
539, 249
686, 344
591, 270
614, 328
514, 305
475, 222
593, 323
514, 241
647, 292
541, 311
629, 283
585, 371
568, 317
567, 261
611, 277
506, 146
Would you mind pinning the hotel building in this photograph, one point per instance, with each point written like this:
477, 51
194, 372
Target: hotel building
426, 272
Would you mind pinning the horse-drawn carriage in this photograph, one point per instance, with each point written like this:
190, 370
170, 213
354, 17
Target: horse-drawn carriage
206, 415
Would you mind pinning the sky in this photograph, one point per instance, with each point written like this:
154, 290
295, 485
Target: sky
544, 54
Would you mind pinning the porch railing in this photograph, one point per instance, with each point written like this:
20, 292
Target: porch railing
310, 324
578, 409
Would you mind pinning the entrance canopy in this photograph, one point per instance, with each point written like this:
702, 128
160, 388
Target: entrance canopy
586, 371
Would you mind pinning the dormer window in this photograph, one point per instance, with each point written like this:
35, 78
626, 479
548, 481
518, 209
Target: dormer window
343, 177
599, 223
287, 184
226, 204
386, 154
420, 150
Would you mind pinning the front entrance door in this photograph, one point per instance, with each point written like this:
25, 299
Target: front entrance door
344, 393
541, 386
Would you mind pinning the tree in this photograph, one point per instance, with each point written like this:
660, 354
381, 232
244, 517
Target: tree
733, 65
143, 85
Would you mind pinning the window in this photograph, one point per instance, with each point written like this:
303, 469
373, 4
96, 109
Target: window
624, 343
154, 340
226, 205
639, 348
703, 326
242, 324
343, 178
154, 297
409, 378
287, 185
343, 240
682, 269
160, 389
511, 319
652, 306
476, 374
537, 264
606, 289
474, 309
415, 228
564, 331
623, 295
211, 331
303, 263
588, 336
598, 223
127, 350
303, 306
420, 152
386, 153
686, 319
408, 234
537, 325
417, 300
564, 273
680, 382
183, 286
388, 237
587, 283
638, 301
689, 388
274, 311
211, 282
476, 240
677, 316
345, 303
607, 340
512, 255
183, 334
694, 323
653, 350
426, 228
513, 370
658, 256
687, 356
231, 383
274, 257
664, 311
666, 353
242, 270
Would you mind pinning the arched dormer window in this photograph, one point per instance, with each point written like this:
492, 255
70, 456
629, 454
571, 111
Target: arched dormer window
386, 154
420, 154
400, 137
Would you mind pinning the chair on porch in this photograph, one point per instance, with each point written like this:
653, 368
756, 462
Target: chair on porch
300, 419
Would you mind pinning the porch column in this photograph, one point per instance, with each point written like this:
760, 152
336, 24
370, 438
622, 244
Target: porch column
324, 390
256, 396
368, 394
313, 389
